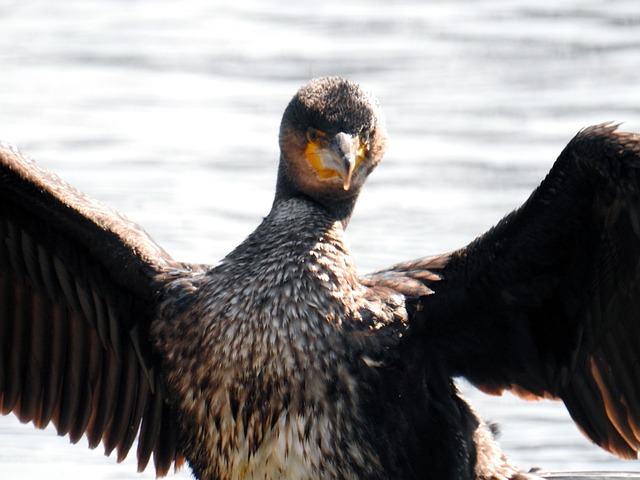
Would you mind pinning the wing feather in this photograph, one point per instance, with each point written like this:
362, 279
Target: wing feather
78, 286
547, 303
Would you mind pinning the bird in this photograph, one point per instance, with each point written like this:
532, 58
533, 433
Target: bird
281, 360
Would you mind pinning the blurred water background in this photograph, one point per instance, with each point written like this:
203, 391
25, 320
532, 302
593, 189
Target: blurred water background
169, 112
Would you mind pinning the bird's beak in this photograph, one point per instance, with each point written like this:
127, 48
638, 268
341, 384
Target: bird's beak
336, 156
345, 147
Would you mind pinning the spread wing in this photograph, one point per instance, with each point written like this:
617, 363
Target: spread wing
77, 289
547, 303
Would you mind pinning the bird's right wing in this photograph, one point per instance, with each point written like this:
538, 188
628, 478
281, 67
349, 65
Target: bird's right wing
78, 286
547, 303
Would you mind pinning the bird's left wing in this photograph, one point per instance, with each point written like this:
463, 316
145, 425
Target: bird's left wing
547, 303
78, 288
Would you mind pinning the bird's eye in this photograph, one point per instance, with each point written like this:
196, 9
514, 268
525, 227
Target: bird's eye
314, 135
364, 138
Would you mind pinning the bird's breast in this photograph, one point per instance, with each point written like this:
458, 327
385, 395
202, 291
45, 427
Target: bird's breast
258, 365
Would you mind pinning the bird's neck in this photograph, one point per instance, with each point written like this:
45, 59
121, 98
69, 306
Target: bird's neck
340, 209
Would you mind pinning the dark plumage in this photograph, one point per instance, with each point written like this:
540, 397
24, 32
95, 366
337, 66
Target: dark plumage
281, 362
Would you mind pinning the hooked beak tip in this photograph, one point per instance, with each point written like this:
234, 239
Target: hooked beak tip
346, 182
344, 157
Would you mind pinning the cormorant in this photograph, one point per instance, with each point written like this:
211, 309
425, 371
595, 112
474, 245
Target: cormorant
282, 362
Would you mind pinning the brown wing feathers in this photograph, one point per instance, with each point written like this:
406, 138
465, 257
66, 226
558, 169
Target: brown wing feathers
596, 369
612, 304
547, 303
73, 346
601, 385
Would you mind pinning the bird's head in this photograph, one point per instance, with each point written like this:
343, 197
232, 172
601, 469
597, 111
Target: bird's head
331, 137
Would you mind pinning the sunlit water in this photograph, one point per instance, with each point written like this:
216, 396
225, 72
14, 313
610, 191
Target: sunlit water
169, 112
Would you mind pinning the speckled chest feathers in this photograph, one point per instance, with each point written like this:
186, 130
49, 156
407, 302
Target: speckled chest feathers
286, 330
